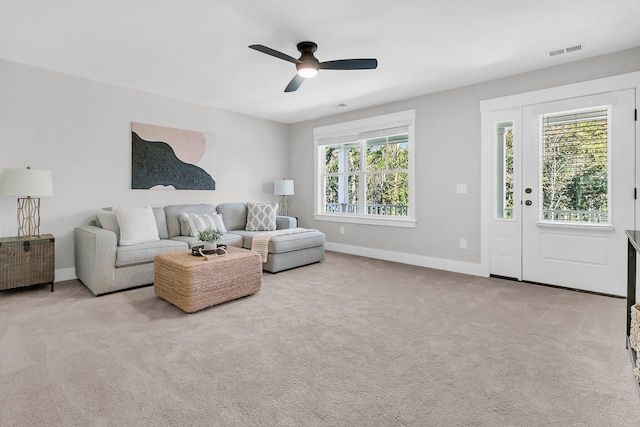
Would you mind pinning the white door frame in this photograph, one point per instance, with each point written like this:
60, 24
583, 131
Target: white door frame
592, 87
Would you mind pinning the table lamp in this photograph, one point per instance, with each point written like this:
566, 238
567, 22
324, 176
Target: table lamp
31, 183
284, 189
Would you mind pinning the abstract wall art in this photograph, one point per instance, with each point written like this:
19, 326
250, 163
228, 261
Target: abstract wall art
165, 158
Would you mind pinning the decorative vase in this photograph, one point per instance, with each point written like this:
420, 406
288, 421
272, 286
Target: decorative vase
210, 246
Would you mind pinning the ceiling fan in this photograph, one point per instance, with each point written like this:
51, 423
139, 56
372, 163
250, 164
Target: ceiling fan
308, 66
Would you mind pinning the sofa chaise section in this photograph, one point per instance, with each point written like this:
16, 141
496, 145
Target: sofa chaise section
286, 251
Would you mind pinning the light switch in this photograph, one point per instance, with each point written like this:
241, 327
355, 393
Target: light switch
461, 188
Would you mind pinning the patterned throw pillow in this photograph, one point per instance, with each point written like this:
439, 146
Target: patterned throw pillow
195, 223
261, 216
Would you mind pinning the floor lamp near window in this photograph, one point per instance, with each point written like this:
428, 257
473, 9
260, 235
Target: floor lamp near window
29, 184
284, 189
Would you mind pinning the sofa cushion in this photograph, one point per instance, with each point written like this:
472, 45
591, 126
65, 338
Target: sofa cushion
145, 252
286, 222
228, 239
195, 223
137, 225
234, 215
247, 237
294, 242
161, 222
286, 242
261, 216
172, 213
108, 220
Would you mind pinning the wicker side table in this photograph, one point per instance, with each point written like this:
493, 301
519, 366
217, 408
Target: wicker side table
26, 261
191, 283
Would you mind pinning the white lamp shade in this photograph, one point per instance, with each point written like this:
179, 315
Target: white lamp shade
27, 182
283, 187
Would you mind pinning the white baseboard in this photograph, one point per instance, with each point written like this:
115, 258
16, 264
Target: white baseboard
404, 258
65, 274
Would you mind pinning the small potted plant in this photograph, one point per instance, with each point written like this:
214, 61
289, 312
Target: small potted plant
209, 236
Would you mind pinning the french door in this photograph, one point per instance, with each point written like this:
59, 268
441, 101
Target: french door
564, 191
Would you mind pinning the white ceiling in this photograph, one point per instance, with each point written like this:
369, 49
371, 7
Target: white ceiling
196, 50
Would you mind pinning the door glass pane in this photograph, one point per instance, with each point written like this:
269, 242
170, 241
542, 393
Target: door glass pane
504, 175
575, 166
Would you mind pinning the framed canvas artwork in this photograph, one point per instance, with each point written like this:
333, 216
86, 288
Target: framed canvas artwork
165, 158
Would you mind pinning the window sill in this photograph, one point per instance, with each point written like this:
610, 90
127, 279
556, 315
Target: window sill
368, 220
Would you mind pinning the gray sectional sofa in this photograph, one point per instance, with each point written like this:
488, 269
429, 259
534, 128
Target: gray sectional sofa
104, 266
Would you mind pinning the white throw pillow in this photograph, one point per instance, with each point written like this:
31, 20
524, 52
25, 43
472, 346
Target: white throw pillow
137, 225
219, 223
261, 216
109, 221
195, 223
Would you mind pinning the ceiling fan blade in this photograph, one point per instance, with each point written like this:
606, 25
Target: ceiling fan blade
273, 52
350, 64
294, 84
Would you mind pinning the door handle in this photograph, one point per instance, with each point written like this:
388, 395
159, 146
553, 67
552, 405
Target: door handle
528, 202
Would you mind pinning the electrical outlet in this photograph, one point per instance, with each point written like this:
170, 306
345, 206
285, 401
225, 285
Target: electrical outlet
341, 230
463, 243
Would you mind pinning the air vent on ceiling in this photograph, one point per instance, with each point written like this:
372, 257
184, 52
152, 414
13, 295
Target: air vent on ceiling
556, 52
573, 48
564, 50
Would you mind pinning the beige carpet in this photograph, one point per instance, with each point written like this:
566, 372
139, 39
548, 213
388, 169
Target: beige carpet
351, 341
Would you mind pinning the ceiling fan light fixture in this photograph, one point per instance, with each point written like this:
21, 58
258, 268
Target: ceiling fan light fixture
307, 65
307, 72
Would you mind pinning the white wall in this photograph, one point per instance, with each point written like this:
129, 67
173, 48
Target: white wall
447, 153
81, 130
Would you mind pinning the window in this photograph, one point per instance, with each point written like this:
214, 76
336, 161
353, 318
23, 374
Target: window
505, 171
364, 171
575, 166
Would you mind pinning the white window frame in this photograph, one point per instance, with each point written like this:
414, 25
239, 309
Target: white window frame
402, 118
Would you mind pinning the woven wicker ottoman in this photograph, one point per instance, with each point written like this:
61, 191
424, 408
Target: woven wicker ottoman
191, 283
